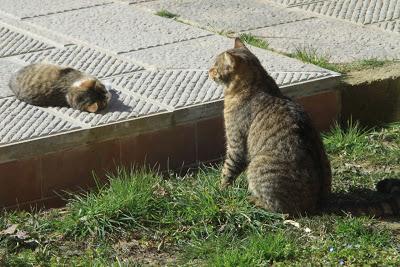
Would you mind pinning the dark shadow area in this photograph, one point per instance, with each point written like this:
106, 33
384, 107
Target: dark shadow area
116, 104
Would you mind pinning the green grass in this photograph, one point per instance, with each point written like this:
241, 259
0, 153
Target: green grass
310, 55
313, 57
166, 14
250, 39
143, 218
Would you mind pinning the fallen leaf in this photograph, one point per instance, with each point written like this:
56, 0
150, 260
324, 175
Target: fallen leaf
291, 222
10, 230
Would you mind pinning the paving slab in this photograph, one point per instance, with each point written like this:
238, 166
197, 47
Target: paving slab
135, 1
363, 12
118, 28
228, 15
20, 121
334, 39
33, 8
393, 26
203, 51
86, 59
7, 68
384, 14
185, 88
175, 88
291, 3
14, 43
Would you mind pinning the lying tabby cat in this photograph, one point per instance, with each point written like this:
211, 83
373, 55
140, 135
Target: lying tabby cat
272, 136
51, 85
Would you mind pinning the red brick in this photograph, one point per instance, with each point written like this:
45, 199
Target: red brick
210, 139
20, 181
324, 108
165, 149
74, 169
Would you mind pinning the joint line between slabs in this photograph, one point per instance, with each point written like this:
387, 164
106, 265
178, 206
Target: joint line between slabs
64, 11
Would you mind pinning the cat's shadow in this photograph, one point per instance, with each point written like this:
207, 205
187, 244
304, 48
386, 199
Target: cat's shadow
116, 104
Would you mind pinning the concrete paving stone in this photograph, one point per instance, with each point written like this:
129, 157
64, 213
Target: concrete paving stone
203, 52
333, 39
364, 12
289, 3
118, 27
85, 59
7, 68
14, 43
175, 88
228, 15
20, 121
32, 8
121, 107
182, 88
393, 26
135, 1
291, 78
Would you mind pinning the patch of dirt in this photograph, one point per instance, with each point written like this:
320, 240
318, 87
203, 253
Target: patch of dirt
144, 253
388, 71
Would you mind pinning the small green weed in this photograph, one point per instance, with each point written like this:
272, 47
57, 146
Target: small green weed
166, 14
254, 41
310, 55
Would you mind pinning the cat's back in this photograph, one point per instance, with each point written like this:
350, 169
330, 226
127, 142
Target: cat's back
39, 84
279, 124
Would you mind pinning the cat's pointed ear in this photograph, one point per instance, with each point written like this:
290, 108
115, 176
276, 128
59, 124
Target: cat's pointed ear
229, 59
239, 43
92, 107
87, 84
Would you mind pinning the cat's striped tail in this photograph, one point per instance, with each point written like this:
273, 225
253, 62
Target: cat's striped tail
389, 206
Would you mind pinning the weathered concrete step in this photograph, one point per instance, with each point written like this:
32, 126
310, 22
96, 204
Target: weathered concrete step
200, 54
118, 28
33, 8
232, 15
363, 12
14, 43
334, 40
384, 14
7, 67
327, 27
20, 121
85, 59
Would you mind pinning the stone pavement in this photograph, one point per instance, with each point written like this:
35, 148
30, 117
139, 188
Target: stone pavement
155, 64
341, 30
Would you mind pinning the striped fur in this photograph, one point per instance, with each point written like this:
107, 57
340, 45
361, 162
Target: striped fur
51, 85
273, 138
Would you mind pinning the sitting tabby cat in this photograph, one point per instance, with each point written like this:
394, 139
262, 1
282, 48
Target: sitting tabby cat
287, 168
51, 85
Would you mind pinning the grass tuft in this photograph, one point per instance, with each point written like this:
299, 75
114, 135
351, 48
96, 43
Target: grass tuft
166, 14
351, 140
128, 200
310, 55
254, 41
